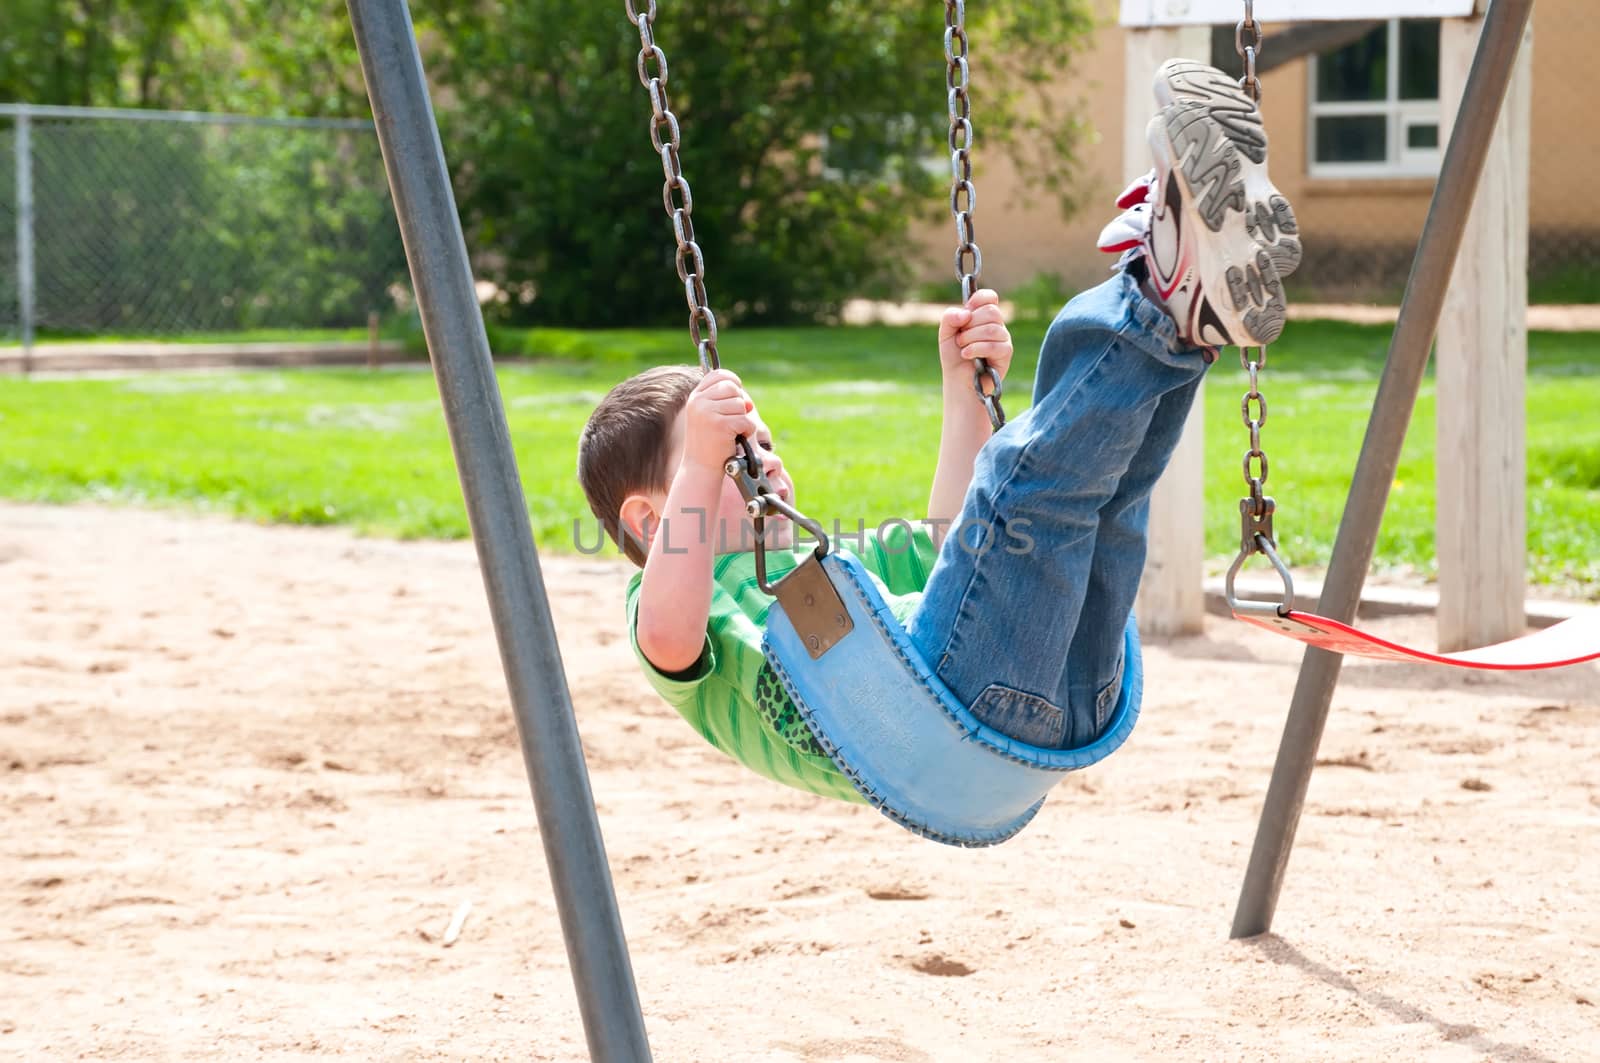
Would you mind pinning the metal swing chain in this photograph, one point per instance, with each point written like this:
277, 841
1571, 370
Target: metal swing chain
745, 468
1247, 38
1255, 511
963, 193
675, 194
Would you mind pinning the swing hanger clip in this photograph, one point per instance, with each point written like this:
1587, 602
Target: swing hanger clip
1256, 537
760, 500
1259, 544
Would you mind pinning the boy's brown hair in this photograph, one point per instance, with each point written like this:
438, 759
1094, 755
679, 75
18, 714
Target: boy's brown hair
624, 447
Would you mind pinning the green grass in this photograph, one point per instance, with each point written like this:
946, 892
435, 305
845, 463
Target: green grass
855, 412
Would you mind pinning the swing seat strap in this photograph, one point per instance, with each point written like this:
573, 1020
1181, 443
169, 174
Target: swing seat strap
1570, 642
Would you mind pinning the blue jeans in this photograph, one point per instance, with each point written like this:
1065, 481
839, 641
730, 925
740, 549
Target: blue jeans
1023, 614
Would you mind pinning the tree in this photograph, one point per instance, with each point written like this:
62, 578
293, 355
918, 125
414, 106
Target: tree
272, 57
814, 130
256, 56
108, 53
813, 133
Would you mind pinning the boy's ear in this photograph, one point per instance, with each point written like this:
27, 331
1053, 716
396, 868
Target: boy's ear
639, 521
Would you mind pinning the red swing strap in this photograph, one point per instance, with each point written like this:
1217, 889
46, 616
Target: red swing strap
1570, 642
1573, 641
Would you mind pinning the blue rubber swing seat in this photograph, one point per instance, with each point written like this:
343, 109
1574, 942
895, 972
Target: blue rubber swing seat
908, 746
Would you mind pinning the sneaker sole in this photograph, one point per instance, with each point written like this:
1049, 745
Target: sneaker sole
1205, 163
1270, 220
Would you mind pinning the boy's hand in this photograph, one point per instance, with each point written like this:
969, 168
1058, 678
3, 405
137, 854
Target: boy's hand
718, 413
976, 331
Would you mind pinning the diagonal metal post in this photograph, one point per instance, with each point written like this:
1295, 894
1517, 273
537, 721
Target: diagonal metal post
1414, 333
475, 414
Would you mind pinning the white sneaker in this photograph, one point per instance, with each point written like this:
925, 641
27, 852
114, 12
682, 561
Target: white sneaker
1270, 219
1127, 231
1220, 285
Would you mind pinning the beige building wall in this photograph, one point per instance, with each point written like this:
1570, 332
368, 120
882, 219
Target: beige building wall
1566, 120
1023, 233
1021, 230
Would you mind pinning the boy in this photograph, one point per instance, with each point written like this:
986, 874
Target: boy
1021, 608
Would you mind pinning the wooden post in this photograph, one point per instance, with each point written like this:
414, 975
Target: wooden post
1172, 596
1481, 367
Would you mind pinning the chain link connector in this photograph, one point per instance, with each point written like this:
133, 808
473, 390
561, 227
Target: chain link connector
660, 104
1255, 524
703, 325
959, 103
995, 391
1250, 83
1254, 419
960, 167
961, 135
967, 239
681, 187
963, 198
1248, 37
647, 54
1257, 480
674, 134
709, 360
691, 263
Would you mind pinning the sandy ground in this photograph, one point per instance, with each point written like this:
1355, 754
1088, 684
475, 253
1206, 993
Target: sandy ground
248, 774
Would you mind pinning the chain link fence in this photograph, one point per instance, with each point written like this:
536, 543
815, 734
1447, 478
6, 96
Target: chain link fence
10, 272
150, 224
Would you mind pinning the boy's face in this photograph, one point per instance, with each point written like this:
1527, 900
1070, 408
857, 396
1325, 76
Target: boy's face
731, 527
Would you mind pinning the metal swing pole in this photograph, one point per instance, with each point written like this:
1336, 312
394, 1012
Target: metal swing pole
1487, 84
475, 415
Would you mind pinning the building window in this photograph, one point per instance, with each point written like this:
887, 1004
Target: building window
1225, 50
1375, 104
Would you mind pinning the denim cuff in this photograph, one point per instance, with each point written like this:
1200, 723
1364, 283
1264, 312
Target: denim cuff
1148, 319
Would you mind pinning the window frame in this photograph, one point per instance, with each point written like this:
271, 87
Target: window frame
1400, 116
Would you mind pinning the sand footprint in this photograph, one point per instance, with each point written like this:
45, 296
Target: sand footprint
942, 966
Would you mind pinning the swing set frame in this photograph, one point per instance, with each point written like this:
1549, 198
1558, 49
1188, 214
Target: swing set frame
541, 700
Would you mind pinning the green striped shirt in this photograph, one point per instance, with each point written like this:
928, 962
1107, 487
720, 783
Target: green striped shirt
731, 695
